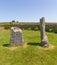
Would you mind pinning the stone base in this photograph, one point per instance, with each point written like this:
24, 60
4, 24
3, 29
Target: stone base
15, 44
44, 44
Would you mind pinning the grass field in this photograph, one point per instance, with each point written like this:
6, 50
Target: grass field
29, 54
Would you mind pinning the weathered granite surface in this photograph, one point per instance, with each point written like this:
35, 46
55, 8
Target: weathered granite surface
16, 36
44, 39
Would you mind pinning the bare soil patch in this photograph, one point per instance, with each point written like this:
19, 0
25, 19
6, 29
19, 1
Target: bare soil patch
12, 48
25, 45
50, 47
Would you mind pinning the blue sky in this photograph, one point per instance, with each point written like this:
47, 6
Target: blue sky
28, 10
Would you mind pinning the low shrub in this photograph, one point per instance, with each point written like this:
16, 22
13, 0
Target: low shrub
22, 28
55, 30
6, 27
50, 30
36, 28
29, 28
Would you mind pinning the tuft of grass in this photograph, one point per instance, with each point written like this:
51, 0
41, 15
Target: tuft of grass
32, 54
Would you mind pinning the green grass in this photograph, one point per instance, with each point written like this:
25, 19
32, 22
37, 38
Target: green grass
32, 54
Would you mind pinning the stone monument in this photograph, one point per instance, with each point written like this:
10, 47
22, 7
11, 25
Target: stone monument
44, 39
16, 36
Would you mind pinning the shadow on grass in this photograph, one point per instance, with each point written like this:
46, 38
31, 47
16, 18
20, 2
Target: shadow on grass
6, 45
34, 44
30, 43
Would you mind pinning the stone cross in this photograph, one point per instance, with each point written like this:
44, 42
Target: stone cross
16, 36
44, 39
